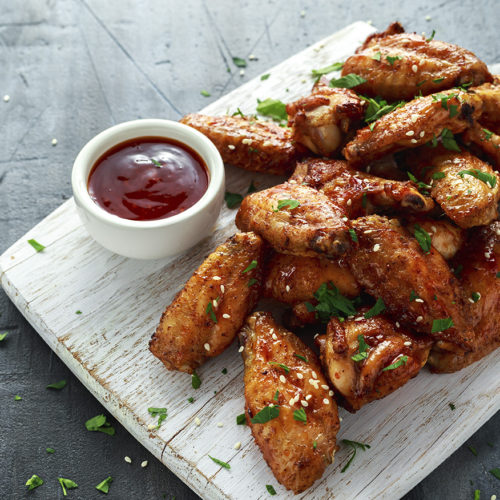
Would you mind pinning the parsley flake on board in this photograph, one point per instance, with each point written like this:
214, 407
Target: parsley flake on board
34, 482
37, 246
376, 309
241, 419
289, 204
210, 311
195, 380
50, 450
240, 62
477, 495
423, 238
265, 77
300, 415
495, 472
220, 462
266, 414
287, 370
17, 398
66, 483
362, 350
401, 361
2, 336
205, 93
347, 81
224, 371
251, 266
57, 385
472, 450
161, 413
355, 446
191, 399
331, 303
100, 423
327, 69
489, 179
104, 485
439, 325
78, 312
274, 108
452, 406
270, 489
232, 199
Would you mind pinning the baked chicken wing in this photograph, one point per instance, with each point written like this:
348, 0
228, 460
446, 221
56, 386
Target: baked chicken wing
489, 93
367, 359
296, 220
398, 65
436, 116
478, 264
208, 312
289, 405
417, 286
486, 141
320, 121
256, 145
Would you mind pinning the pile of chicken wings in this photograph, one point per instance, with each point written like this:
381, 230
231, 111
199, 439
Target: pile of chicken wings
385, 237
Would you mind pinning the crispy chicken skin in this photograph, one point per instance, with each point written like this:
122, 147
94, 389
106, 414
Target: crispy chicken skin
480, 259
314, 227
359, 193
414, 124
291, 279
489, 93
286, 443
360, 382
389, 263
422, 65
187, 326
256, 145
486, 141
321, 120
466, 200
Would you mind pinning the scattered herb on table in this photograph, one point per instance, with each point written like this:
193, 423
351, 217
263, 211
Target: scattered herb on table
220, 462
337, 66
452, 406
104, 485
274, 108
37, 246
495, 472
472, 450
2, 336
50, 450
205, 93
195, 381
241, 419
17, 398
232, 199
355, 446
161, 413
240, 62
265, 77
34, 482
57, 385
66, 483
270, 489
100, 423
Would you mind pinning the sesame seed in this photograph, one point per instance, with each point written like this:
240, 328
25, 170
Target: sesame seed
252, 57
303, 80
376, 247
419, 300
304, 403
6, 98
428, 18
54, 142
287, 288
226, 316
271, 405
487, 255
397, 324
326, 401
314, 374
410, 133
242, 72
316, 335
197, 422
414, 141
314, 383
267, 143
407, 343
422, 133
247, 141
419, 319
330, 393
237, 445
368, 231
222, 288
433, 229
217, 278
292, 402
414, 68
151, 427
340, 419
128, 460
231, 147
300, 376
368, 168
214, 302
359, 318
324, 386
220, 424
345, 219
493, 497
302, 13
241, 349
414, 117
282, 378
275, 337
144, 463
349, 203
308, 397
207, 347
471, 301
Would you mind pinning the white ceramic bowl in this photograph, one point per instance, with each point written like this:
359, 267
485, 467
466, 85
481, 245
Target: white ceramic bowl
157, 238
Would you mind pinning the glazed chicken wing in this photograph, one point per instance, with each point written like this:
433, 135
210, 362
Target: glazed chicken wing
295, 219
416, 123
458, 184
291, 279
487, 142
289, 405
359, 193
256, 145
489, 93
321, 120
417, 287
367, 359
208, 312
479, 265
398, 65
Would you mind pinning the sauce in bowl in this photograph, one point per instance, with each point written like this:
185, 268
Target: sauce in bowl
148, 178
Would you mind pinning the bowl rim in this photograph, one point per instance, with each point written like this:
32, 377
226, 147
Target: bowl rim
112, 136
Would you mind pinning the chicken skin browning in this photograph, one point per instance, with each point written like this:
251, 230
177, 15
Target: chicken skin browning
486, 141
414, 124
398, 65
490, 95
416, 287
208, 312
256, 145
480, 261
372, 373
359, 193
307, 411
291, 279
296, 220
321, 120
466, 200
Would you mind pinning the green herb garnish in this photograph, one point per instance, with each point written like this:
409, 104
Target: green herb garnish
422, 186
376, 309
251, 282
287, 370
488, 133
270, 489
437, 80
195, 381
78, 312
251, 266
276, 395
265, 77
274, 108
489, 179
331, 303
57, 385
232, 199
301, 357
156, 162
355, 446
238, 61
300, 415
266, 414
392, 59
17, 398
495, 472
472, 450
210, 311
431, 37
423, 238
50, 450
354, 236
377, 56
224, 371
378, 107
475, 296
2, 336
34, 482
438, 175
315, 445
37, 246
290, 204
413, 296
220, 462
452, 406
241, 419
401, 361
101, 424
161, 413
66, 483
191, 399
439, 325
362, 350
104, 485
448, 140
327, 69
347, 82
205, 93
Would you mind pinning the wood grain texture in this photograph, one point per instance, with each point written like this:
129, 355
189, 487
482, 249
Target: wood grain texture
122, 300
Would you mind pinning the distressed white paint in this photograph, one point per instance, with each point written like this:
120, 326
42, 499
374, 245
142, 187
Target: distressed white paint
410, 432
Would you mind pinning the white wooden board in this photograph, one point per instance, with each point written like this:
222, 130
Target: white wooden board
410, 432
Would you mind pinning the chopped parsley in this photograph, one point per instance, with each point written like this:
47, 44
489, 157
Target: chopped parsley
270, 489
290, 204
241, 419
477, 495
431, 37
17, 398
251, 282
238, 112
376, 309
287, 370
488, 179
439, 325
378, 107
251, 266
458, 270
274, 108
224, 371
327, 69
232, 199
78, 312
413, 296
377, 56
444, 98
331, 303
195, 380
364, 199
437, 80
487, 133
362, 350
472, 450
156, 162
475, 296
438, 175
354, 236
452, 406
161, 413
347, 82
100, 423
303, 358
220, 462
57, 385
265, 77
355, 446
238, 61
210, 311
205, 93
34, 482
37, 246
495, 472
423, 238
401, 361
392, 59
266, 414
191, 399
315, 445
50, 450
104, 485
2, 336
251, 188
300, 415
448, 140
422, 186
276, 395
66, 483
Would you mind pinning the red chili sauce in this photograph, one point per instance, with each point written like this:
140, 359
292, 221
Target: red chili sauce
148, 178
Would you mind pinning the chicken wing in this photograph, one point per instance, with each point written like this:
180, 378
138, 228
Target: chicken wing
207, 313
467, 188
398, 65
320, 121
479, 265
256, 145
487, 141
367, 359
416, 123
291, 279
295, 219
489, 93
359, 193
289, 405
417, 286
